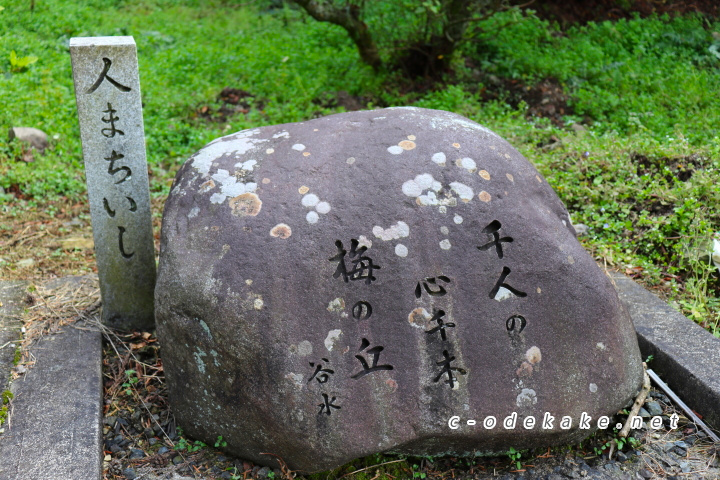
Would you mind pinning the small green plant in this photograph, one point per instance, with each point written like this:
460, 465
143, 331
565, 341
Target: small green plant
132, 379
184, 444
18, 64
515, 457
271, 474
6, 397
220, 443
599, 450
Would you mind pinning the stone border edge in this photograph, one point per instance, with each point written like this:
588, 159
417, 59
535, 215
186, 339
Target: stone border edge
685, 355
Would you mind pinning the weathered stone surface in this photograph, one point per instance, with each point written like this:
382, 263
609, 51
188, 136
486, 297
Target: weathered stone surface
464, 294
54, 429
36, 138
107, 91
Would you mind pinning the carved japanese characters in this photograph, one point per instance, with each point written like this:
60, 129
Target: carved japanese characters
107, 90
405, 279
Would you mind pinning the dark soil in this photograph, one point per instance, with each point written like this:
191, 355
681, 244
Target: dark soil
230, 101
545, 99
568, 12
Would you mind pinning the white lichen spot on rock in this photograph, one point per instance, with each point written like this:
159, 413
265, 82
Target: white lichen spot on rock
206, 328
258, 304
198, 360
394, 232
310, 200
296, 379
407, 145
419, 318
457, 219
412, 189
350, 160
216, 361
248, 282
239, 145
322, 208
401, 250
337, 305
332, 337
411, 137
422, 182
510, 177
593, 388
444, 230
443, 209
299, 147
312, 217
194, 212
283, 134
304, 348
439, 158
533, 355
484, 174
363, 241
484, 196
526, 398
270, 150
217, 198
503, 294
571, 260
445, 244
247, 204
464, 192
281, 230
600, 346
539, 290
248, 166
466, 163
395, 150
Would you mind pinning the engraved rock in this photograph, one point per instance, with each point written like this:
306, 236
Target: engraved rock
376, 281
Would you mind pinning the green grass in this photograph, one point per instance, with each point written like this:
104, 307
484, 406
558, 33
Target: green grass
647, 89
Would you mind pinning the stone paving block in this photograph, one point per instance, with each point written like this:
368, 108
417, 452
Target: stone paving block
684, 354
54, 430
12, 296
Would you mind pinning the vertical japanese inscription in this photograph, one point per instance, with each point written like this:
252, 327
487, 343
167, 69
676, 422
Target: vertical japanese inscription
107, 91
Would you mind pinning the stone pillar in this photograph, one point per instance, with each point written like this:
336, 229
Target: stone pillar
107, 90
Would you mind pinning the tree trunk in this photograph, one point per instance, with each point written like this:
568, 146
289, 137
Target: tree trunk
349, 19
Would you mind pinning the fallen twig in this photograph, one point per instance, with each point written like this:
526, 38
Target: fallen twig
639, 401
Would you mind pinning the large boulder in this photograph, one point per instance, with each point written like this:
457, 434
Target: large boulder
372, 281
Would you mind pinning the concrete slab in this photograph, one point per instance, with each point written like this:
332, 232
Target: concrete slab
12, 303
54, 430
685, 355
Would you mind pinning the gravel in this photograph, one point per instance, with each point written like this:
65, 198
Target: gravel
143, 442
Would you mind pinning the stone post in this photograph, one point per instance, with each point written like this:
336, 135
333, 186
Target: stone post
107, 90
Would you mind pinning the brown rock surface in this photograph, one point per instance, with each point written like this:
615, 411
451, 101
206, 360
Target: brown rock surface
347, 285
